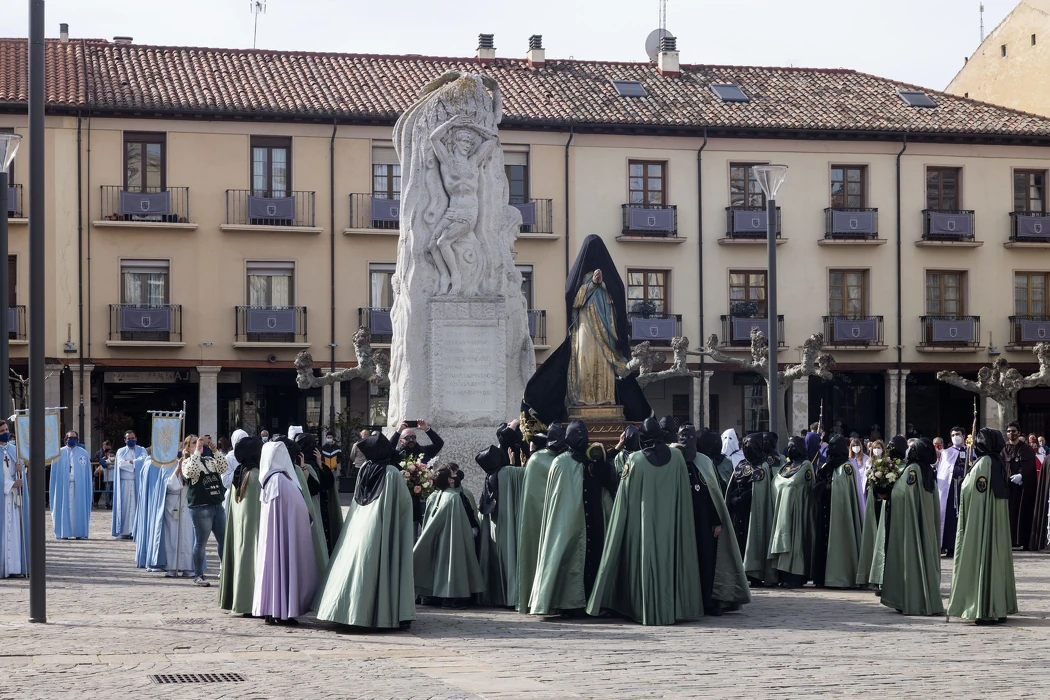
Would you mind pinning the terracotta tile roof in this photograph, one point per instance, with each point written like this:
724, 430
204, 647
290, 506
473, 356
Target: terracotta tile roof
286, 84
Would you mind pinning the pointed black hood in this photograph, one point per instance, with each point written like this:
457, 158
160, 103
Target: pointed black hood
576, 439
709, 444
752, 449
376, 449
796, 448
556, 438
632, 441
687, 439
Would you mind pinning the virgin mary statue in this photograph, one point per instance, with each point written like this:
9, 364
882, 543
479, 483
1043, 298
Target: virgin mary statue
586, 369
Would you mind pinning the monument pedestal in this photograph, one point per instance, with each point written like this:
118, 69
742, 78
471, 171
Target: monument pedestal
604, 423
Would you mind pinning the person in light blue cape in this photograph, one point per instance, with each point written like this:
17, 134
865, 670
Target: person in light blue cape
130, 460
150, 498
71, 490
14, 509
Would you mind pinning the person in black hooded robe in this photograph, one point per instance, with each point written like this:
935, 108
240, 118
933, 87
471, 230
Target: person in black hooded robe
838, 454
546, 392
500, 508
706, 522
670, 430
738, 493
327, 492
512, 442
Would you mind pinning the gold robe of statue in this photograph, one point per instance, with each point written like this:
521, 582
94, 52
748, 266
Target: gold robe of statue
595, 361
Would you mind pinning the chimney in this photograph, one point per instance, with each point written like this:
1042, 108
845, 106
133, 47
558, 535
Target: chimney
63, 33
667, 59
486, 48
123, 40
536, 54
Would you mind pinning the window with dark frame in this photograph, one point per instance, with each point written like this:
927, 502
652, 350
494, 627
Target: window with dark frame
145, 163
386, 181
526, 284
647, 183
848, 293
942, 189
271, 166
647, 291
518, 179
944, 293
748, 286
849, 186
271, 284
144, 282
1030, 293
1030, 191
744, 190
381, 285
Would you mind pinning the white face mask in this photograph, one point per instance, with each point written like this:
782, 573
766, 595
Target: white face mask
957, 440
856, 449
877, 452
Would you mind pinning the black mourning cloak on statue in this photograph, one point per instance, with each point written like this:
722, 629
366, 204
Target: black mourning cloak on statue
545, 392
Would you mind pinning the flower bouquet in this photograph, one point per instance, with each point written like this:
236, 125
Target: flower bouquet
882, 475
418, 478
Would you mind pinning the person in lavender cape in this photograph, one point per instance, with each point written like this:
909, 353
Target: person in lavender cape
71, 491
130, 460
951, 468
285, 574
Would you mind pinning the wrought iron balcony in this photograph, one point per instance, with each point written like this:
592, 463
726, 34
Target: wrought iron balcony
146, 323
538, 326
537, 215
658, 329
748, 223
368, 211
736, 330
14, 202
1027, 331
947, 225
252, 208
845, 224
169, 205
1029, 227
16, 323
270, 324
950, 331
378, 321
650, 220
853, 330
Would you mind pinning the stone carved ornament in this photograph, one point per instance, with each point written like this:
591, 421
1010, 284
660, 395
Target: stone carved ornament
1001, 382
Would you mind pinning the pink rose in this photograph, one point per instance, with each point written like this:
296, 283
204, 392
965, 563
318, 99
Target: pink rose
417, 489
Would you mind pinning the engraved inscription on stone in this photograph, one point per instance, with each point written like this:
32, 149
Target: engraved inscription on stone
469, 373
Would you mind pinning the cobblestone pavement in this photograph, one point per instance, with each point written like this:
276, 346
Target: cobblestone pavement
111, 626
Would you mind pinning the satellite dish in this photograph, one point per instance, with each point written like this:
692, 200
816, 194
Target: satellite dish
652, 42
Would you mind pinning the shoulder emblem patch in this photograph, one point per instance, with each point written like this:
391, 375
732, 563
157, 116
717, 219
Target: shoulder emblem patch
809, 475
625, 472
849, 470
697, 487
784, 470
759, 475
982, 484
912, 479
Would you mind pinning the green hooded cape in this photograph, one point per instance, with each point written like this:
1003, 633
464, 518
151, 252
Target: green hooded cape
530, 518
731, 588
844, 530
912, 578
313, 503
499, 541
562, 552
872, 544
757, 563
237, 574
369, 582
649, 570
444, 561
792, 540
983, 586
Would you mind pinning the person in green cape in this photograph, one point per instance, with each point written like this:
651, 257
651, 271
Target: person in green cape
445, 559
630, 441
791, 542
722, 579
983, 587
896, 452
237, 573
912, 579
760, 528
537, 469
572, 529
838, 519
370, 580
500, 505
649, 571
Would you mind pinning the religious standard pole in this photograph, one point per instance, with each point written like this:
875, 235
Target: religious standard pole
770, 178
37, 568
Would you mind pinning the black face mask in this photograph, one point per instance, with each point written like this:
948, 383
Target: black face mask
687, 438
709, 444
576, 439
838, 450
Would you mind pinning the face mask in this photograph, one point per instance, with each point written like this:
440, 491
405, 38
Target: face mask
877, 452
71, 442
957, 440
131, 443
856, 449
5, 437
329, 441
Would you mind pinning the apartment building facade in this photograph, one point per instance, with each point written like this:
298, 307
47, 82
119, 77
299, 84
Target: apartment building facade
211, 213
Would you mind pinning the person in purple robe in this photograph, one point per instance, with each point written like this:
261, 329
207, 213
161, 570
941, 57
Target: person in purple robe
951, 468
285, 571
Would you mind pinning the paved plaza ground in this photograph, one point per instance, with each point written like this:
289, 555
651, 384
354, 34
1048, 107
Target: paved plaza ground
110, 626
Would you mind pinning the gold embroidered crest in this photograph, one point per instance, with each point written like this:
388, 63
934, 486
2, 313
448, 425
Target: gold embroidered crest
809, 475
625, 472
982, 484
849, 470
912, 479
784, 470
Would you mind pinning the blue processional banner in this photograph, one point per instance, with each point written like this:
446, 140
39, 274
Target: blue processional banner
52, 430
167, 433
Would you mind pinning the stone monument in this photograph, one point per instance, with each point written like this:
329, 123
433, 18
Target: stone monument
461, 350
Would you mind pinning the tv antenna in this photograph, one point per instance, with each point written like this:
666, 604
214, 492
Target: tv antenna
258, 8
982, 22
652, 42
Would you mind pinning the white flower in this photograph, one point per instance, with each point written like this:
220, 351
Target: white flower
891, 478
878, 475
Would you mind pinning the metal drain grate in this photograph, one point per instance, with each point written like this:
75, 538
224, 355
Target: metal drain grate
186, 621
165, 678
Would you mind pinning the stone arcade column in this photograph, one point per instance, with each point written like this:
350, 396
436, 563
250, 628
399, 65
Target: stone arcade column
799, 409
84, 392
208, 400
891, 427
702, 402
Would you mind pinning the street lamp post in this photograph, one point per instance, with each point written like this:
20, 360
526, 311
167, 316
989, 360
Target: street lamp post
8, 147
770, 178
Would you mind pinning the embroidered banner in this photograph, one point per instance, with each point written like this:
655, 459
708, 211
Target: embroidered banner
165, 438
